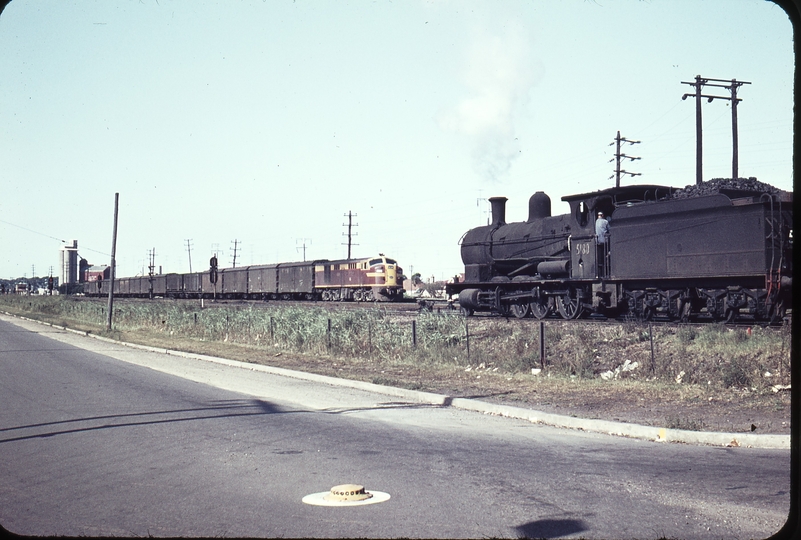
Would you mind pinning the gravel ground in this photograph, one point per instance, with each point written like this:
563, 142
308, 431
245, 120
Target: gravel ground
645, 403
678, 406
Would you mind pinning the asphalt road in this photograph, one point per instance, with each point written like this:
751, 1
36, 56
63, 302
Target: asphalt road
99, 439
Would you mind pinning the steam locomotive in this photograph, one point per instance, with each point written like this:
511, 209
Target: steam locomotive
372, 279
722, 254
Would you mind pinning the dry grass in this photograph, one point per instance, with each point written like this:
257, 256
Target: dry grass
696, 378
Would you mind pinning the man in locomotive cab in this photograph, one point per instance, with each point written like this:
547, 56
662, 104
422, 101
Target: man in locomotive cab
602, 241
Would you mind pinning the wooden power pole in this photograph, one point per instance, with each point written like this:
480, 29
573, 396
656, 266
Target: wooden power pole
732, 86
113, 263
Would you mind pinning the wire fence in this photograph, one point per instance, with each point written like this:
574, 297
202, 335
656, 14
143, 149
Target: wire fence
712, 354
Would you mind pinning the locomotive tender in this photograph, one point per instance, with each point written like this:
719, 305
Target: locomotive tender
374, 279
718, 256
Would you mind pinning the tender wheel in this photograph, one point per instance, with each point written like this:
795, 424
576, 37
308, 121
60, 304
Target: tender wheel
541, 308
776, 312
568, 305
685, 311
520, 311
467, 312
358, 295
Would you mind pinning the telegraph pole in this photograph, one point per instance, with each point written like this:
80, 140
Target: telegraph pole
235, 242
150, 270
479, 200
732, 86
618, 156
303, 246
350, 234
113, 263
189, 250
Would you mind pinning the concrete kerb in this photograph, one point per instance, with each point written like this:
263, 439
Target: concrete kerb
652, 433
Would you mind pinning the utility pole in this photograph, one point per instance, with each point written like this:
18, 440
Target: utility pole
617, 157
189, 250
732, 86
303, 245
350, 234
151, 265
486, 212
236, 243
113, 264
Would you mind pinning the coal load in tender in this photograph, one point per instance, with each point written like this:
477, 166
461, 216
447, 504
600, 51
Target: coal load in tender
716, 185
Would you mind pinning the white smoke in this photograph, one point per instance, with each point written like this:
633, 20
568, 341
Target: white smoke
499, 75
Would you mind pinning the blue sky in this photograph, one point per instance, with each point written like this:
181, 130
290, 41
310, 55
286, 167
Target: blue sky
266, 122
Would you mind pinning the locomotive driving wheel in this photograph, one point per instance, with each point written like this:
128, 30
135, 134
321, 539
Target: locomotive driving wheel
520, 311
541, 307
568, 305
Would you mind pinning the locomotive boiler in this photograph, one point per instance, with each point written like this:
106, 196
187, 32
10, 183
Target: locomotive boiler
722, 251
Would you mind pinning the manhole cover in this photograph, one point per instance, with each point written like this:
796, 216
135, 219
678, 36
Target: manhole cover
346, 495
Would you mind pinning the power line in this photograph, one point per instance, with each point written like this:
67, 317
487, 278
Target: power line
51, 237
31, 230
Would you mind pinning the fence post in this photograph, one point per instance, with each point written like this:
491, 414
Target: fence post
651, 336
369, 339
329, 333
414, 333
542, 344
272, 333
467, 339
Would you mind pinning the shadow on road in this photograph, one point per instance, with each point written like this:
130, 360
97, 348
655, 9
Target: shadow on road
550, 528
215, 410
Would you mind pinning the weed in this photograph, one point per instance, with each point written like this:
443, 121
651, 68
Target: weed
711, 355
737, 372
688, 424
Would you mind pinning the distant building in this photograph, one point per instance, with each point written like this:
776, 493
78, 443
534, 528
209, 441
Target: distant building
92, 273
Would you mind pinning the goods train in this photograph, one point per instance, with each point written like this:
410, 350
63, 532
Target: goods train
374, 279
718, 251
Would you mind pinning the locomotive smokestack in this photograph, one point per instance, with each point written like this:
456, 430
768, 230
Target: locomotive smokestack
498, 210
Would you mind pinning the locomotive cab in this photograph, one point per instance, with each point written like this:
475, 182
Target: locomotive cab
590, 259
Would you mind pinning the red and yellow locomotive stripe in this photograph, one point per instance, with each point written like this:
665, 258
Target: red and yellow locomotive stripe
378, 278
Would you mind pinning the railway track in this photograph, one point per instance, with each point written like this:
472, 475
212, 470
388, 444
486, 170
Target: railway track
412, 308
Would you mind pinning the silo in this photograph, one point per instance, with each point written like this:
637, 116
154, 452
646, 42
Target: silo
69, 262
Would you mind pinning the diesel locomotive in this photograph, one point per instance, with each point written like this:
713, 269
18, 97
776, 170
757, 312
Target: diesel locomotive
721, 254
372, 279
